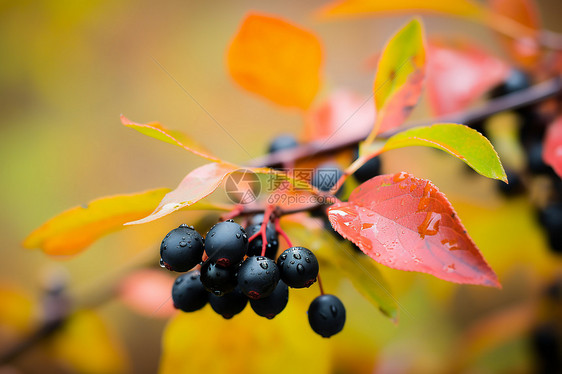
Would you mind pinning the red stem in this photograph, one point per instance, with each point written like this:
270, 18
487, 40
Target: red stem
266, 215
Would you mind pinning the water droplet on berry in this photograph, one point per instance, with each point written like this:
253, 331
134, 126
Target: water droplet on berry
300, 268
217, 293
307, 260
162, 264
283, 256
334, 310
268, 245
179, 280
238, 236
292, 262
191, 227
229, 220
297, 256
264, 265
183, 225
183, 244
183, 237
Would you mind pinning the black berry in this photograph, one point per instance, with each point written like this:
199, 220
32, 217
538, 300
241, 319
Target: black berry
326, 315
535, 161
551, 219
230, 304
254, 247
226, 243
298, 267
325, 177
181, 249
256, 219
188, 293
274, 304
282, 142
514, 187
258, 276
517, 80
216, 279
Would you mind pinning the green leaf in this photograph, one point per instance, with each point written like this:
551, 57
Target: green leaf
360, 269
399, 79
460, 141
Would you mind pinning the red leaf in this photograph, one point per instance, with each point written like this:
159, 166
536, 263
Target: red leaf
405, 223
552, 149
519, 18
459, 73
343, 114
147, 292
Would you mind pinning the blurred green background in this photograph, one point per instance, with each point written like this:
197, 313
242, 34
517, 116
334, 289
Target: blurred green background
70, 68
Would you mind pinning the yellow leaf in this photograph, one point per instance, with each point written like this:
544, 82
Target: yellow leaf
87, 345
458, 8
157, 131
75, 229
204, 342
277, 60
400, 74
16, 309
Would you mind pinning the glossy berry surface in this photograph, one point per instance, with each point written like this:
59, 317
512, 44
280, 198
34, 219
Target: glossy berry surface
181, 249
298, 267
325, 177
258, 276
188, 294
230, 304
282, 142
326, 315
216, 279
226, 243
368, 170
274, 304
254, 247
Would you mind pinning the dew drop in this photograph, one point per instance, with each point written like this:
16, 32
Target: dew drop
307, 260
217, 293
162, 264
179, 280
297, 256
283, 256
183, 237
183, 225
264, 265
292, 262
334, 310
238, 236
300, 268
183, 244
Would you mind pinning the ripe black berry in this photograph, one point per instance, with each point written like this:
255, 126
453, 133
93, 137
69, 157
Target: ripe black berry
188, 293
535, 161
325, 177
258, 276
326, 315
181, 249
226, 243
514, 187
274, 304
230, 304
368, 170
282, 142
254, 247
256, 219
517, 80
217, 279
298, 267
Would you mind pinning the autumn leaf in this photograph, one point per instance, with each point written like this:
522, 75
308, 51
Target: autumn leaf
277, 60
75, 229
147, 292
17, 309
552, 148
157, 131
196, 185
520, 19
460, 141
245, 344
405, 223
86, 344
457, 8
399, 78
459, 73
344, 114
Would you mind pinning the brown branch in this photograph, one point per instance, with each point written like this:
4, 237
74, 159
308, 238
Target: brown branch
512, 101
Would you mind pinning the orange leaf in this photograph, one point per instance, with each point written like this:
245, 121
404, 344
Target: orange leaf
552, 149
75, 229
459, 8
157, 131
399, 78
343, 114
277, 60
521, 19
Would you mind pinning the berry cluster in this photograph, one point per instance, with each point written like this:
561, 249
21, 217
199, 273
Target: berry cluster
238, 268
